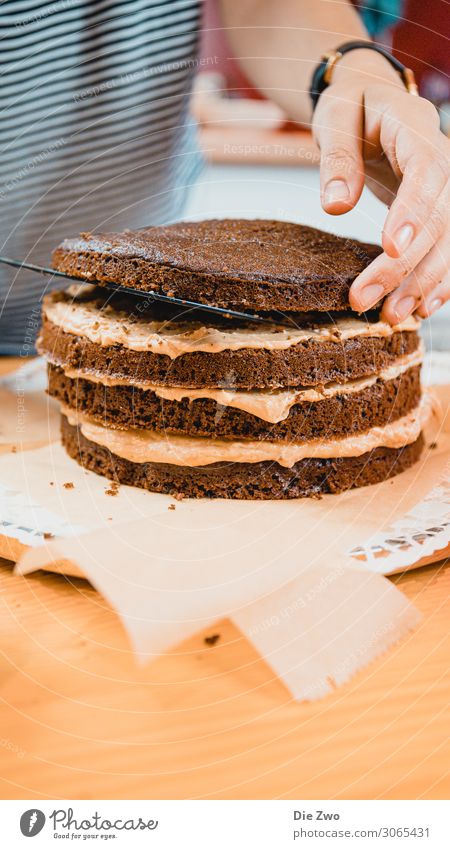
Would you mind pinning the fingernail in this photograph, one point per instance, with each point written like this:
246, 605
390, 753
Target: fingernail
434, 306
336, 190
370, 295
404, 307
403, 237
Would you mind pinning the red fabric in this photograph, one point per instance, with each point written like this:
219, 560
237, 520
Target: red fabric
421, 41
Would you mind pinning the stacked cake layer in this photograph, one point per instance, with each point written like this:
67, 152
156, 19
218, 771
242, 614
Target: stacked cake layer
180, 402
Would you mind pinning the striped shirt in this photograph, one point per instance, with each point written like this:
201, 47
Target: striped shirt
94, 132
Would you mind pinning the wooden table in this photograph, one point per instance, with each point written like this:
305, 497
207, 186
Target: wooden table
80, 719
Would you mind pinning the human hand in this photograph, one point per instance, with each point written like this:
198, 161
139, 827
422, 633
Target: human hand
370, 129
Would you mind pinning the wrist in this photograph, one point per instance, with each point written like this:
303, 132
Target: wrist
365, 67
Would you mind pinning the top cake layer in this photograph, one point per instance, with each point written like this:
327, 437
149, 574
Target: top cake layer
234, 264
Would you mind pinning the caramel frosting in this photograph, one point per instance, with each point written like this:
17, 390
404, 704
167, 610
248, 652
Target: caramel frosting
271, 406
109, 326
145, 446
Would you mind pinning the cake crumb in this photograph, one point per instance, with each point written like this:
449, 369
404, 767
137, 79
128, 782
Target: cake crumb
179, 496
13, 449
113, 489
48, 535
212, 640
171, 507
51, 483
69, 485
433, 445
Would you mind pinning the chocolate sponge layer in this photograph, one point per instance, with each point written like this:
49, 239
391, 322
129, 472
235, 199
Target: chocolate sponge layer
230, 263
332, 417
310, 477
305, 364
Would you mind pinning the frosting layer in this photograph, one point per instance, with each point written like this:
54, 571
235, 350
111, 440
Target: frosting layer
271, 406
107, 327
140, 446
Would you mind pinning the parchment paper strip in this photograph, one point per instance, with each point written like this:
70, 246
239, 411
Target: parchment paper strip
317, 631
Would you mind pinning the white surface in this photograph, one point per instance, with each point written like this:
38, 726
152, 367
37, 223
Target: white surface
292, 194
283, 192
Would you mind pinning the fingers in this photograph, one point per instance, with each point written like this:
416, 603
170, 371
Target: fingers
419, 287
436, 299
386, 274
420, 204
338, 129
417, 153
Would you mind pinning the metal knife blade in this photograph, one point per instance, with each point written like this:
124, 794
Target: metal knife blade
154, 296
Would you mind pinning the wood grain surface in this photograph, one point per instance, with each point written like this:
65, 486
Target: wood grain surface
79, 718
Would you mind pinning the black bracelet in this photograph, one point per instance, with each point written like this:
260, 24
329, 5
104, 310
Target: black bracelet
323, 72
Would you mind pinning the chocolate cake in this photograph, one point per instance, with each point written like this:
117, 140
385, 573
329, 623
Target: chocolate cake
316, 399
236, 264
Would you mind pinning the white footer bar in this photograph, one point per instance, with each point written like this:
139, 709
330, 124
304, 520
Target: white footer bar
224, 824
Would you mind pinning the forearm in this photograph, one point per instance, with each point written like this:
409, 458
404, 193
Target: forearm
279, 42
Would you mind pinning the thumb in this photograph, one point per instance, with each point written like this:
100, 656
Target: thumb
338, 129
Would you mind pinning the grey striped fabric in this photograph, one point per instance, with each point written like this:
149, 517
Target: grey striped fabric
94, 130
